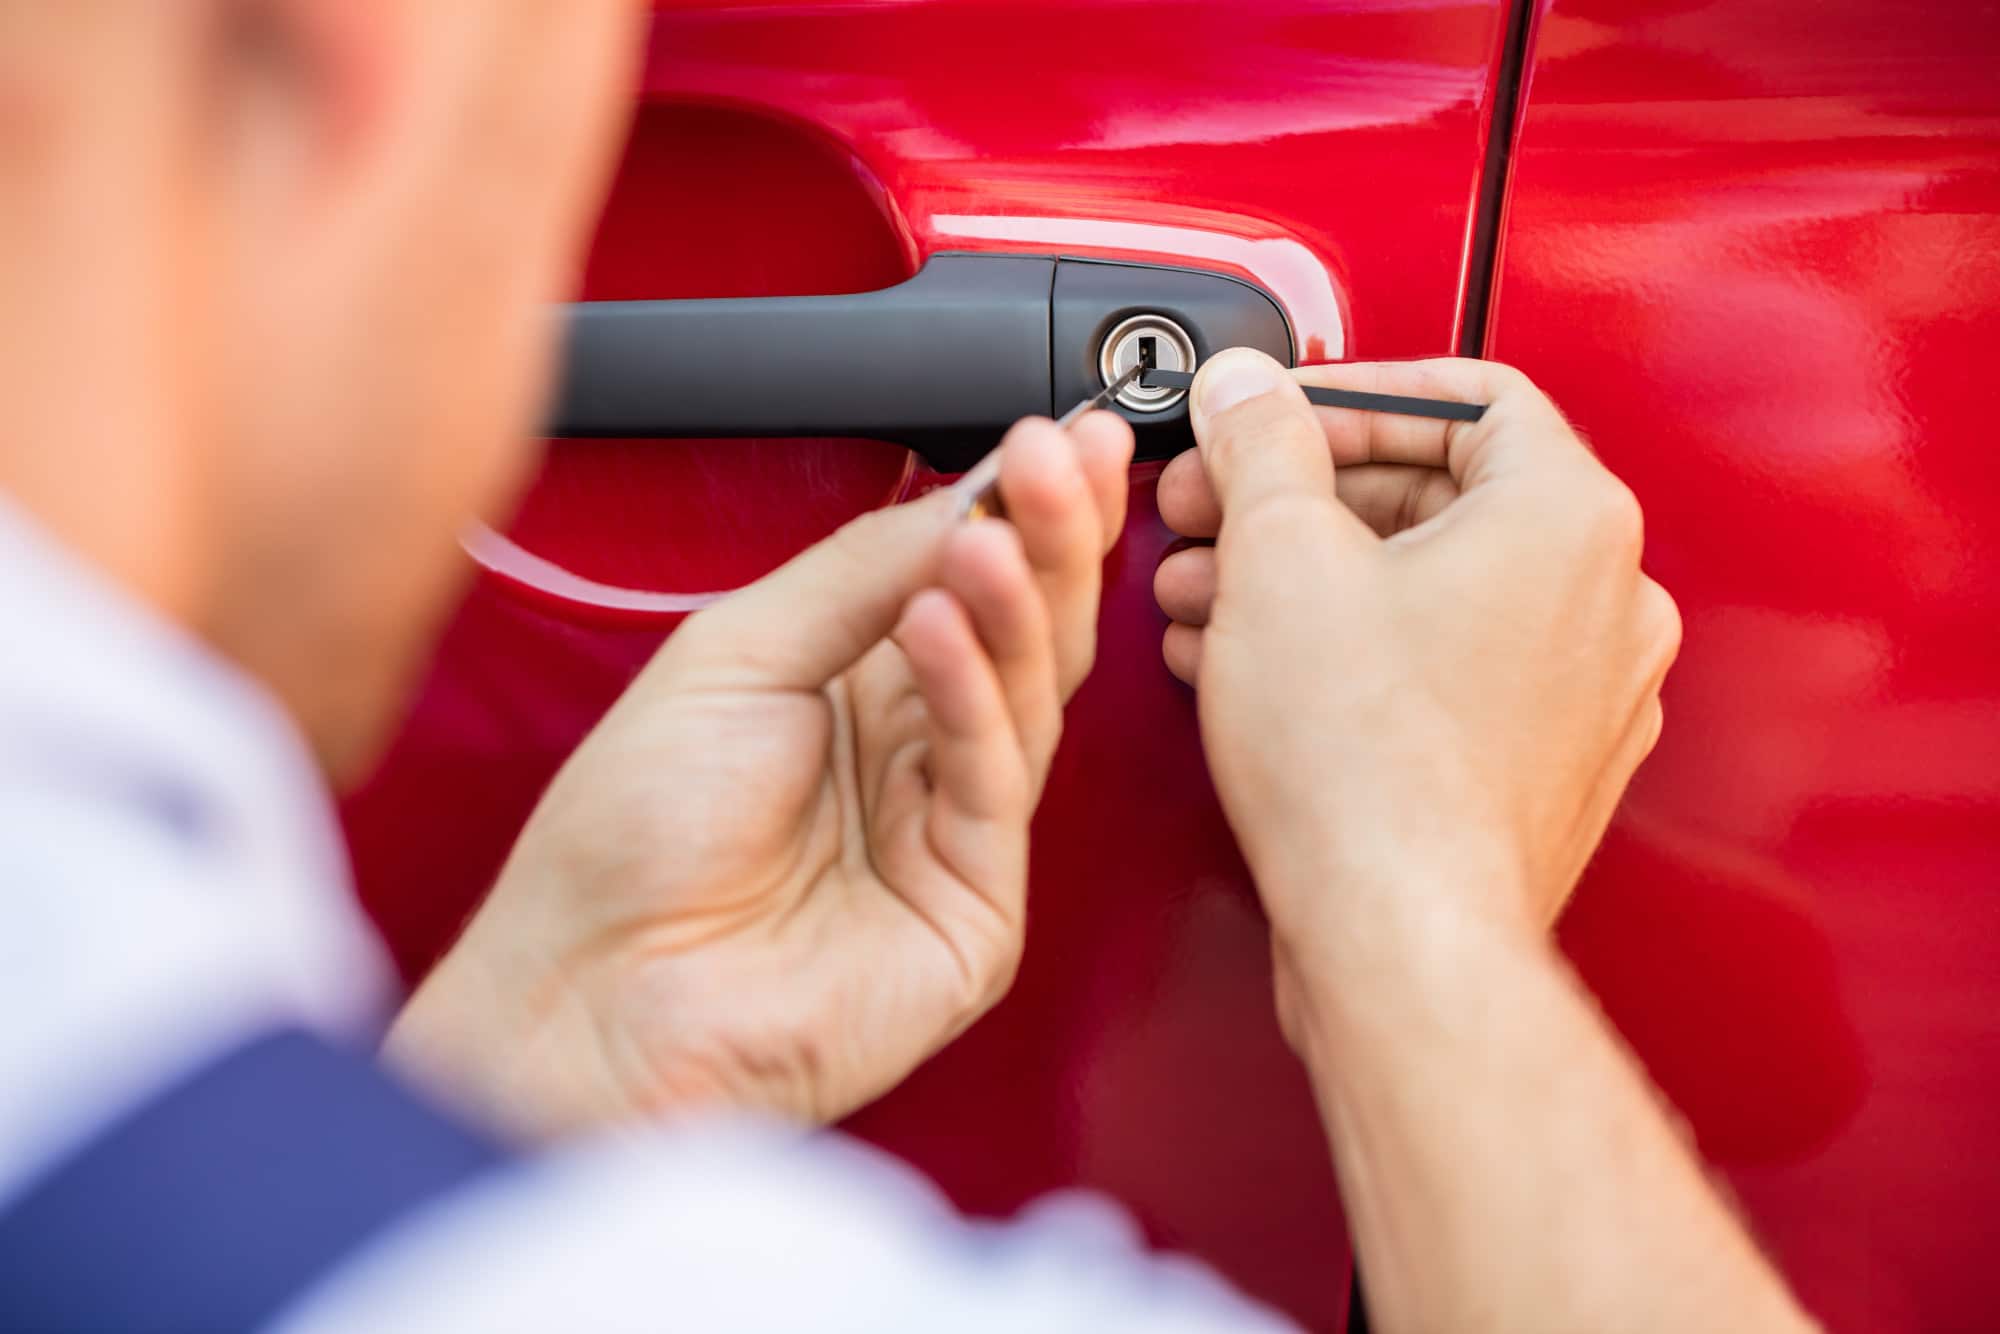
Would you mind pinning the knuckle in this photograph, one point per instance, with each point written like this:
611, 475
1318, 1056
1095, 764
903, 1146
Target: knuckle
1496, 381
1000, 980
1052, 735
1517, 399
1663, 623
1074, 667
1504, 378
1613, 519
988, 949
1582, 438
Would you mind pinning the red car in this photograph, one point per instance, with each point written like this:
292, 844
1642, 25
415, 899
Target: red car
1751, 246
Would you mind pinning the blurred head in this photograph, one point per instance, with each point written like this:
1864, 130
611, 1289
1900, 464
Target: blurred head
275, 279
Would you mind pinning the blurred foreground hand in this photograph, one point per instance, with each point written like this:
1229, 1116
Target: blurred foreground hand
791, 862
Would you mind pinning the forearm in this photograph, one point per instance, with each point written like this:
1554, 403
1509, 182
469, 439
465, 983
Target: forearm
1504, 1162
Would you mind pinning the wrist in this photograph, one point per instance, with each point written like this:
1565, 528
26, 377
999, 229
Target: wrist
1361, 942
511, 1046
1340, 893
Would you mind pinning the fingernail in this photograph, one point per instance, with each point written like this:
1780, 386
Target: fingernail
1236, 377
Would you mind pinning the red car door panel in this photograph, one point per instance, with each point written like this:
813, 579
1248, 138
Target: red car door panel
1754, 250
1329, 152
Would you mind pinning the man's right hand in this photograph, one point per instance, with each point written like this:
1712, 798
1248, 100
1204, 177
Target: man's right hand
1425, 651
1428, 663
791, 862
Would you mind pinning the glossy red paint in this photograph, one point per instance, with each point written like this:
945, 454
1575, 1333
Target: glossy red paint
1754, 250
708, 204
1329, 150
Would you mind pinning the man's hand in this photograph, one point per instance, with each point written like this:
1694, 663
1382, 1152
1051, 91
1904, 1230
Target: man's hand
1428, 662
791, 862
1425, 650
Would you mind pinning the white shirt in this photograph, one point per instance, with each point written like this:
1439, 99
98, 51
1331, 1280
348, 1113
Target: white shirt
172, 884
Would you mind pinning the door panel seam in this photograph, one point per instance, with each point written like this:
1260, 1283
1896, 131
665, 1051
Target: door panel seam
1483, 255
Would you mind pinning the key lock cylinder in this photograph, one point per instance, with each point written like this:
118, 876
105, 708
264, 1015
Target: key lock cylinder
1150, 342
1106, 318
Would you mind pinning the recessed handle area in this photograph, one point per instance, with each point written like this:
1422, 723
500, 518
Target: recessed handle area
943, 363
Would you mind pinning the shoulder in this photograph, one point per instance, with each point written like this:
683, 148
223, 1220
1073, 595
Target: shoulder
128, 958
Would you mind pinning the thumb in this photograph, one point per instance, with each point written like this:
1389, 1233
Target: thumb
1260, 440
815, 616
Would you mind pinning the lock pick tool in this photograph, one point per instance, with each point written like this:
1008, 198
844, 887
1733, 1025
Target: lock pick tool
981, 486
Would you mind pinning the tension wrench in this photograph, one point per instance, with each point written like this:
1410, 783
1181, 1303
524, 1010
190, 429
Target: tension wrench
981, 485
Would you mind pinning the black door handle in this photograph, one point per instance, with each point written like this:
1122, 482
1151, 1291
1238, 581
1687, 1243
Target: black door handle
943, 363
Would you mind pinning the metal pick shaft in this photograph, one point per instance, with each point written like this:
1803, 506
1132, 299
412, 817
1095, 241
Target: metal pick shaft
981, 485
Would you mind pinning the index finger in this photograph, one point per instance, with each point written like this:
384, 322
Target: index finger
1051, 505
1521, 426
815, 616
1520, 423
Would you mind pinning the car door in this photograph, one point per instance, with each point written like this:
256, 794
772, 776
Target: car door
1327, 154
1753, 249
